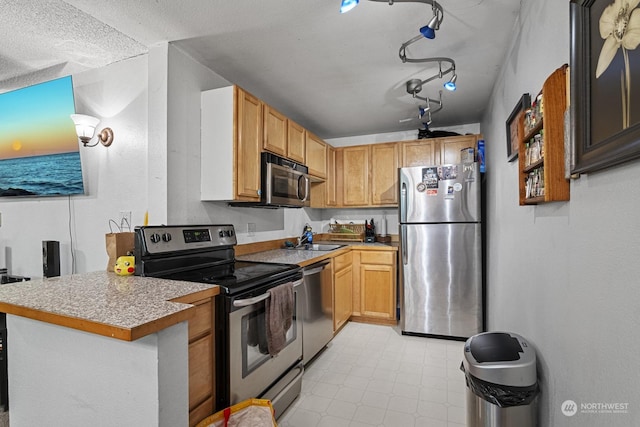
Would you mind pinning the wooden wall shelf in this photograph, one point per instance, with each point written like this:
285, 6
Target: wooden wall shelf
546, 174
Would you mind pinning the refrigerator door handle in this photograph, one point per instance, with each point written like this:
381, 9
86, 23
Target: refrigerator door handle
403, 202
403, 238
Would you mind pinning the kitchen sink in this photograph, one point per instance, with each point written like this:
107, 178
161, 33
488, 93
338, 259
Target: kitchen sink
319, 247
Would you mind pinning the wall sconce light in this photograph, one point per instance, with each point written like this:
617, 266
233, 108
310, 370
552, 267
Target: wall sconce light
86, 128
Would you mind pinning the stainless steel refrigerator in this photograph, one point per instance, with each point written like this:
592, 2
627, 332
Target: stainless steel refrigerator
441, 250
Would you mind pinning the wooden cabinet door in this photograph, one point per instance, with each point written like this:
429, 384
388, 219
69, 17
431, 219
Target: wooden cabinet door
248, 144
384, 174
451, 148
377, 291
343, 298
419, 153
316, 150
296, 143
331, 184
275, 131
355, 175
202, 386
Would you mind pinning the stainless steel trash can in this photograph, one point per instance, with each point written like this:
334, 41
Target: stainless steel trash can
502, 384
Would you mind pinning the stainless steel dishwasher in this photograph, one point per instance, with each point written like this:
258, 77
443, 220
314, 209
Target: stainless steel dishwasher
317, 306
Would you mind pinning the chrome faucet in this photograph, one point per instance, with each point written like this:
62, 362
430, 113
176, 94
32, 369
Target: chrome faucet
306, 237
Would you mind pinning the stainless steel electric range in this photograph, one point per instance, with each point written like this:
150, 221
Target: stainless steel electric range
206, 254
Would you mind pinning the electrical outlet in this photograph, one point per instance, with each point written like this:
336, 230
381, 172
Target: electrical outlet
125, 221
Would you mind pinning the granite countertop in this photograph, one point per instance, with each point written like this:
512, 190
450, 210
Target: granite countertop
304, 258
101, 302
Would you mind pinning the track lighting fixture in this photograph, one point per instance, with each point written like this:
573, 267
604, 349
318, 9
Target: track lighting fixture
414, 87
428, 31
450, 85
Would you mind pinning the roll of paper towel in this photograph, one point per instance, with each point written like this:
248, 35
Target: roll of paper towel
383, 227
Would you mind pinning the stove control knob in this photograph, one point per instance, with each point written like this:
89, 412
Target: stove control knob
155, 238
166, 237
221, 233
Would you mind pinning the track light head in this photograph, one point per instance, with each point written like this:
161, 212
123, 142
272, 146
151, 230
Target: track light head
347, 5
451, 84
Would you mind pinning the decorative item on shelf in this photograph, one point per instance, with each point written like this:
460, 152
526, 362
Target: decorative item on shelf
86, 128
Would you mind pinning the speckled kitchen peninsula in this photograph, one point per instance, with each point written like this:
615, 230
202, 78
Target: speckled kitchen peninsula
99, 349
103, 303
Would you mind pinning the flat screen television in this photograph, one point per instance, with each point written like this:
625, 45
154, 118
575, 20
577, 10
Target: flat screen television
39, 149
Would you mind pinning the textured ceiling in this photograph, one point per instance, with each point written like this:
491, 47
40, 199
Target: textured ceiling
337, 75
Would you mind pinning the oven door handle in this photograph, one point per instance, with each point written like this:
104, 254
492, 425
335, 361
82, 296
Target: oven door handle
250, 301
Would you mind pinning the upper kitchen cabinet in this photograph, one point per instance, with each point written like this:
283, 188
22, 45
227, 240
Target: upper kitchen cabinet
384, 174
316, 151
353, 169
275, 131
282, 136
324, 194
296, 142
451, 148
331, 185
231, 142
418, 153
436, 151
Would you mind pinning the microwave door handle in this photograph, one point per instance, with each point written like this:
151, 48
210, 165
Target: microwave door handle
306, 188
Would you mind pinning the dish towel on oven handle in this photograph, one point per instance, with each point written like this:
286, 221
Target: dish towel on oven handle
279, 316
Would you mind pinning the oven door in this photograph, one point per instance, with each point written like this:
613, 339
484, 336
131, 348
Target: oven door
252, 369
285, 186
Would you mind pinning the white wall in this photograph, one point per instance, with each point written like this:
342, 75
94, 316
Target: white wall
115, 179
563, 275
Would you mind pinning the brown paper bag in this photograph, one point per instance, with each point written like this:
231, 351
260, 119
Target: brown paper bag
118, 244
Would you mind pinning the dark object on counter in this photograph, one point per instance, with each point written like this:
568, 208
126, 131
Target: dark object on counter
4, 378
50, 258
383, 239
369, 232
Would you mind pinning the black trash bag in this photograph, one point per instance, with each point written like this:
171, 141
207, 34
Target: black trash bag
501, 395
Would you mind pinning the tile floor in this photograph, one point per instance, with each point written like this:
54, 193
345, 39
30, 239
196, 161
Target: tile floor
371, 375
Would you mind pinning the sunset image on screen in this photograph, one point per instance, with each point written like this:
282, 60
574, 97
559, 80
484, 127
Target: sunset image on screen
39, 150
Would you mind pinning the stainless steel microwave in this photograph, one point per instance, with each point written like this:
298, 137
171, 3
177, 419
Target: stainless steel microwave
284, 183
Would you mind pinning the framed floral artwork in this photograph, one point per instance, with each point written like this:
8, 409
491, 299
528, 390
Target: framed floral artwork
515, 128
605, 83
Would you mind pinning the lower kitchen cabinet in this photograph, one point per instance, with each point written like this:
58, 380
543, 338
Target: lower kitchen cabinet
342, 289
374, 286
201, 360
